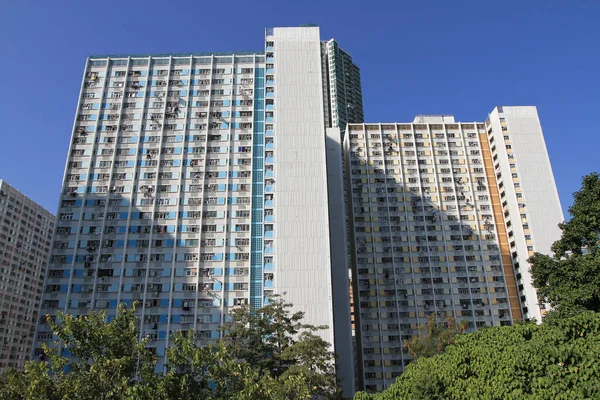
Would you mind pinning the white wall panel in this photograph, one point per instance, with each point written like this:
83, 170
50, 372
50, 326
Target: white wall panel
535, 173
540, 195
339, 260
301, 232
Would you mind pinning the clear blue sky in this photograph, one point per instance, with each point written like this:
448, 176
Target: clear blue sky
416, 57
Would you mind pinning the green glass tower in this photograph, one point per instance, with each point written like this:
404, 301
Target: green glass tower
344, 94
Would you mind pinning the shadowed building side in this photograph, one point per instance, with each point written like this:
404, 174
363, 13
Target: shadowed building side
431, 232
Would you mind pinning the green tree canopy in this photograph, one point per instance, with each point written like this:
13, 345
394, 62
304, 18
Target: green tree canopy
435, 336
107, 362
274, 341
521, 362
570, 278
264, 354
212, 373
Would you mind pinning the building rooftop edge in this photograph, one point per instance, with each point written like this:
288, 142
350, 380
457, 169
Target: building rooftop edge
162, 55
3, 181
411, 122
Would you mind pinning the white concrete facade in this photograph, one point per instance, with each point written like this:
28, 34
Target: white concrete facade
528, 189
302, 252
339, 260
301, 237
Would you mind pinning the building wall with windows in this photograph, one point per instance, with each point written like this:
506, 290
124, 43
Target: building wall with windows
163, 195
342, 87
194, 185
25, 236
528, 192
431, 233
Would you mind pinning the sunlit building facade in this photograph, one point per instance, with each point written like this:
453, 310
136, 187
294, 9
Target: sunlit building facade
196, 183
25, 234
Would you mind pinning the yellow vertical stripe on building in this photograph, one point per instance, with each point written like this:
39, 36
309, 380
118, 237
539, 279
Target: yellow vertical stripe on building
509, 273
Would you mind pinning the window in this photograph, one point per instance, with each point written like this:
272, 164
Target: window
240, 286
192, 256
209, 228
98, 63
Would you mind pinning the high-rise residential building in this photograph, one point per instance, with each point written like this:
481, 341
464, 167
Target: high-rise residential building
200, 182
528, 194
25, 235
443, 216
341, 86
